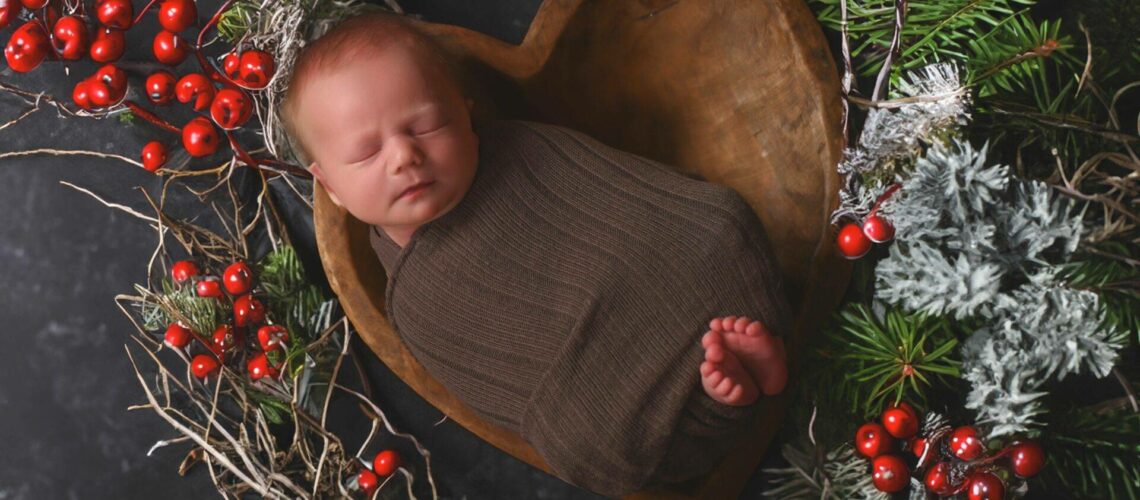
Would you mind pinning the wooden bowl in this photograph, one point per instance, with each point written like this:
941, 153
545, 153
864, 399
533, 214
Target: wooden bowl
744, 93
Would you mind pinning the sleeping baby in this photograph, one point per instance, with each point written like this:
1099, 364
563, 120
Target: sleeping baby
621, 317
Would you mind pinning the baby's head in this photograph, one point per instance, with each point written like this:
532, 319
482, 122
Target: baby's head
376, 107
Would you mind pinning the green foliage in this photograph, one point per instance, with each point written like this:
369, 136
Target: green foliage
1011, 57
869, 362
933, 31
291, 300
1092, 455
235, 20
181, 303
1115, 280
127, 117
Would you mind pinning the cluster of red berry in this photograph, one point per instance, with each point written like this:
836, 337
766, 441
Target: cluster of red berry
227, 338
958, 455
383, 465
228, 106
855, 239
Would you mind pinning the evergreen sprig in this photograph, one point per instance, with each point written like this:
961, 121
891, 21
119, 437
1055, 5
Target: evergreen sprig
932, 32
292, 301
180, 303
1093, 455
842, 475
894, 357
1106, 270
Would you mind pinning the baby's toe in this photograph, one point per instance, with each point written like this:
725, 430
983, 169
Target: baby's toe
711, 337
756, 329
740, 324
727, 322
707, 368
715, 375
714, 353
724, 386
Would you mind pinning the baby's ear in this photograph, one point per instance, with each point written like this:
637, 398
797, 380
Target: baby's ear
319, 175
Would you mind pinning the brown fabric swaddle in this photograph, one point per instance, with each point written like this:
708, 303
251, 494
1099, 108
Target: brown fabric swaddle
564, 298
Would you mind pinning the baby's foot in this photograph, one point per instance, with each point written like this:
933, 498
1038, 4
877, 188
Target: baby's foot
749, 344
722, 375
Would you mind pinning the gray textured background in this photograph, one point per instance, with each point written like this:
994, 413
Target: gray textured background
65, 381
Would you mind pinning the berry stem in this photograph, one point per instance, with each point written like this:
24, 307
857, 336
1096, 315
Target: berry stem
249, 160
208, 68
143, 12
213, 20
152, 118
883, 197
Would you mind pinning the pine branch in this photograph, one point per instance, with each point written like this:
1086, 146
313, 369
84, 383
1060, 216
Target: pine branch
1092, 455
1109, 274
871, 361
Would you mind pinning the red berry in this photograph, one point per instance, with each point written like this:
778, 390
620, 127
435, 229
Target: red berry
909, 409
985, 486
385, 463
872, 440
1027, 459
100, 93
231, 108
115, 79
918, 447
248, 311
160, 86
259, 366
34, 4
899, 422
208, 287
9, 10
118, 14
852, 242
153, 156
937, 479
224, 340
169, 48
889, 473
203, 365
965, 443
183, 270
108, 45
230, 64
367, 482
177, 15
255, 69
82, 95
272, 337
238, 278
27, 48
195, 87
73, 33
177, 336
199, 137
877, 229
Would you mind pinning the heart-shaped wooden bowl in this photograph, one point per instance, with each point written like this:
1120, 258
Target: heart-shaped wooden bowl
744, 93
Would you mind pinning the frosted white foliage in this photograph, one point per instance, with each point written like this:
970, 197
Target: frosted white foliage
928, 102
973, 242
1037, 334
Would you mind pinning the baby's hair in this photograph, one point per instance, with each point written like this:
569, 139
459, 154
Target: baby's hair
353, 36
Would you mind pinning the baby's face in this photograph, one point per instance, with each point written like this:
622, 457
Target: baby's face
385, 123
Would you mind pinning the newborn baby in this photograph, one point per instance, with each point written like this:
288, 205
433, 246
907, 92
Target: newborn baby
555, 285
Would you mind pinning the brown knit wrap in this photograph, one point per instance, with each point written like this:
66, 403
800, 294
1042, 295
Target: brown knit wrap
565, 296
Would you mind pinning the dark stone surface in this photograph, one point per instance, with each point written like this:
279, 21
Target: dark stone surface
65, 380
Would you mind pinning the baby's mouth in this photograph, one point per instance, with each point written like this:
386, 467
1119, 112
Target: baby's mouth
415, 188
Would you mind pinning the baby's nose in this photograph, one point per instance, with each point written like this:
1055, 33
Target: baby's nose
403, 151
